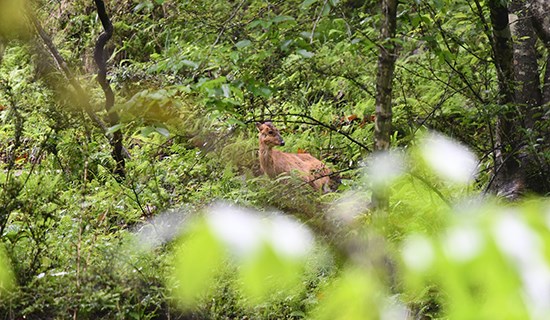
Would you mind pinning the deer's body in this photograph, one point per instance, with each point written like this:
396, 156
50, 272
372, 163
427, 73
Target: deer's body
274, 162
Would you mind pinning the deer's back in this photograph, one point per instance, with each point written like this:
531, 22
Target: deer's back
313, 170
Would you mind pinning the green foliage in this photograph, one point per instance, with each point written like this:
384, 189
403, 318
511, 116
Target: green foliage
197, 261
190, 79
6, 275
345, 291
477, 265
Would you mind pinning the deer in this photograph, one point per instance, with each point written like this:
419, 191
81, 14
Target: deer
274, 162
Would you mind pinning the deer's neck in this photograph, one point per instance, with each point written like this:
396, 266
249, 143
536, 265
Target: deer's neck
266, 160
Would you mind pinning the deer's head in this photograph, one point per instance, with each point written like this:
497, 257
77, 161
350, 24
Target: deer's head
269, 135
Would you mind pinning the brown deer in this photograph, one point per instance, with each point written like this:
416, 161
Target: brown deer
274, 162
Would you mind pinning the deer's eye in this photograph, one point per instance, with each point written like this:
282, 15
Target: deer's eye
270, 132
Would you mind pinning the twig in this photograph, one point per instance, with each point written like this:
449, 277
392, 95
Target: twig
317, 21
327, 126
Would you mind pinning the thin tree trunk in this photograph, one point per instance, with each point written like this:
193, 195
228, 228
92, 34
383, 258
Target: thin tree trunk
99, 56
384, 78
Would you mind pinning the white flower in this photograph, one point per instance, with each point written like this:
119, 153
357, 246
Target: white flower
239, 229
516, 239
289, 238
462, 243
384, 167
160, 229
449, 159
350, 205
245, 231
418, 253
523, 247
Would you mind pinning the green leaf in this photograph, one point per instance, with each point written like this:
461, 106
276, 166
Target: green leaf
305, 34
226, 90
243, 43
286, 44
279, 19
147, 131
326, 10
307, 3
197, 261
261, 91
6, 275
354, 295
189, 63
304, 53
255, 23
114, 128
267, 274
163, 131
333, 32
148, 5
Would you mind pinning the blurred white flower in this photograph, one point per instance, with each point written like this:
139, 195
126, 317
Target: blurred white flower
347, 207
160, 229
536, 282
524, 248
449, 159
384, 167
393, 309
245, 231
418, 253
462, 243
239, 229
289, 238
515, 238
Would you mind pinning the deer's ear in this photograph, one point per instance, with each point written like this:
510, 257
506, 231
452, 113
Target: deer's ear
259, 126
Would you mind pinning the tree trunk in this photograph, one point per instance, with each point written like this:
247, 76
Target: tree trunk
518, 165
503, 53
541, 21
527, 95
384, 78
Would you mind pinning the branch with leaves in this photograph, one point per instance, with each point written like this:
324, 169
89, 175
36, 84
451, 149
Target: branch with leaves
119, 152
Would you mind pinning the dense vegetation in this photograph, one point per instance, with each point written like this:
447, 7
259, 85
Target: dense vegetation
125, 209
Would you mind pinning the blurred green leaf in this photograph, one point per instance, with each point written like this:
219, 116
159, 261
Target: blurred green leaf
7, 281
268, 274
352, 296
198, 259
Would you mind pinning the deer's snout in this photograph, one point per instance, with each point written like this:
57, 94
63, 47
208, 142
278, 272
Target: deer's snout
281, 142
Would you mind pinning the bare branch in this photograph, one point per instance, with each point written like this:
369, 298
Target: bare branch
99, 56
